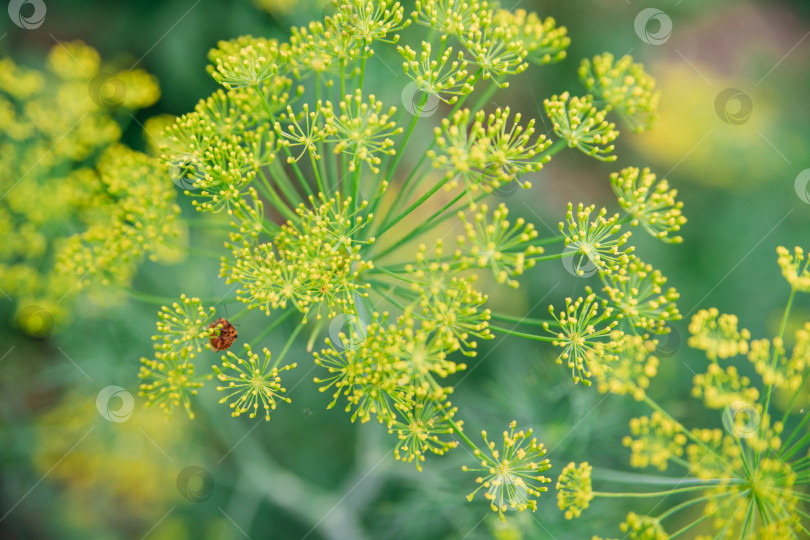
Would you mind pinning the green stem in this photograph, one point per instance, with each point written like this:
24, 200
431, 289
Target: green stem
264, 333
523, 320
274, 198
284, 184
358, 167
342, 78
650, 493
775, 359
551, 257
624, 477
521, 334
384, 270
404, 193
482, 100
362, 65
782, 328
317, 173
401, 149
287, 346
407, 188
426, 225
414, 206
297, 169
458, 431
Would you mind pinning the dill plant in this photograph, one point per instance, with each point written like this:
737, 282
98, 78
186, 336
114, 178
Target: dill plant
330, 221
84, 209
747, 480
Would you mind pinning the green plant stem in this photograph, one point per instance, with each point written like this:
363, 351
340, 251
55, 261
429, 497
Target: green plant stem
686, 504
523, 320
342, 78
295, 166
275, 324
404, 193
285, 185
274, 197
392, 289
485, 97
438, 217
549, 240
521, 334
239, 315
624, 477
407, 188
413, 207
689, 526
775, 359
358, 167
649, 493
317, 173
463, 436
395, 275
287, 345
551, 257
390, 171
401, 150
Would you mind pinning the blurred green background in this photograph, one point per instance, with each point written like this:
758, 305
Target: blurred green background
308, 473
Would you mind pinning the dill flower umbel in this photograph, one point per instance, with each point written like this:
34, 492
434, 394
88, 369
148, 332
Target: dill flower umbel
596, 238
795, 267
624, 86
440, 77
497, 243
170, 378
631, 371
85, 212
574, 489
586, 333
657, 441
251, 382
510, 475
746, 480
577, 121
717, 334
338, 208
421, 430
651, 204
637, 293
